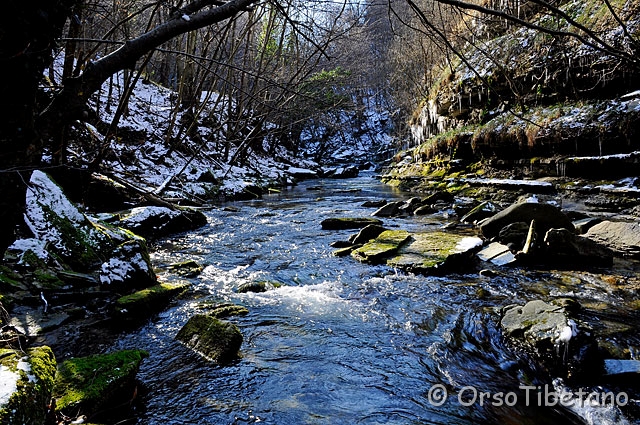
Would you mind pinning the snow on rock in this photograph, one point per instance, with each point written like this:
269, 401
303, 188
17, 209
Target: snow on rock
8, 384
155, 221
129, 265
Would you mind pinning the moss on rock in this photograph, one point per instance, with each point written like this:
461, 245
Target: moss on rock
149, 300
91, 382
31, 378
215, 339
382, 247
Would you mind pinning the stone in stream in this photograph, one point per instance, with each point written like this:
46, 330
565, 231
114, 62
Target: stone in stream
497, 254
514, 235
367, 233
374, 204
257, 286
344, 223
435, 252
382, 247
153, 221
216, 340
621, 237
144, 303
340, 244
483, 210
555, 339
566, 249
546, 217
390, 209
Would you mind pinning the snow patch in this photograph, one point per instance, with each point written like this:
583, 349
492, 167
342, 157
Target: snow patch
8, 384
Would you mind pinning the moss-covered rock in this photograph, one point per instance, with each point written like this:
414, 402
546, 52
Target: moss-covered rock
189, 268
382, 247
89, 383
342, 223
26, 382
222, 310
214, 339
426, 252
150, 300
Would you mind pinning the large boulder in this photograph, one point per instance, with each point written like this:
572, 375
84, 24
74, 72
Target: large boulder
621, 237
390, 209
153, 222
143, 303
216, 340
89, 384
366, 234
565, 248
26, 382
546, 217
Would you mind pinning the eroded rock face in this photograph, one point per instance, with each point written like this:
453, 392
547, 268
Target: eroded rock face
217, 340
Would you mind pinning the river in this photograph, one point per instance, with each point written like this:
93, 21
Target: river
341, 342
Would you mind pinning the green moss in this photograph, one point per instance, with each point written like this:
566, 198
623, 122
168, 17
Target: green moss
215, 339
385, 245
227, 310
188, 268
89, 382
28, 403
149, 300
10, 280
47, 279
426, 251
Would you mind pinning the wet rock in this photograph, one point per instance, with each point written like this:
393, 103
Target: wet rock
348, 223
88, 384
424, 210
441, 195
566, 249
390, 209
223, 310
367, 233
621, 237
497, 254
343, 252
546, 217
154, 222
189, 268
26, 382
143, 303
256, 286
214, 339
618, 368
374, 204
340, 244
382, 247
482, 211
409, 206
583, 225
549, 333
35, 322
432, 252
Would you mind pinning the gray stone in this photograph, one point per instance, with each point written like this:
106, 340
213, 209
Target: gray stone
348, 223
537, 323
546, 217
152, 221
214, 339
497, 254
563, 247
582, 226
621, 237
389, 210
514, 233
367, 233
484, 210
615, 367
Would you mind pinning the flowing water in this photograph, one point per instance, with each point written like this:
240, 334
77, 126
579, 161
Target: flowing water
340, 342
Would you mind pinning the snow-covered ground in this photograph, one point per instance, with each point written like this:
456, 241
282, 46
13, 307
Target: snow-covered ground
153, 149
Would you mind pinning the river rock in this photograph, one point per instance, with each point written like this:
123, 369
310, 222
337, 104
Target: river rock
141, 304
565, 248
348, 223
26, 382
409, 206
343, 252
483, 210
497, 253
390, 209
621, 237
188, 268
583, 225
546, 217
154, 222
431, 252
89, 384
382, 247
367, 233
128, 267
424, 210
255, 286
343, 172
514, 235
216, 340
374, 204
553, 337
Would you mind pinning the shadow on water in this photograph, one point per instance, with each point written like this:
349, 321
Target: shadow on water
339, 342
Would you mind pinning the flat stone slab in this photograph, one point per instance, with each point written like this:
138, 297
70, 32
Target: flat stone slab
382, 247
496, 253
428, 250
621, 237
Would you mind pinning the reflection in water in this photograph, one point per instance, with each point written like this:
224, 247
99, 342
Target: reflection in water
338, 342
